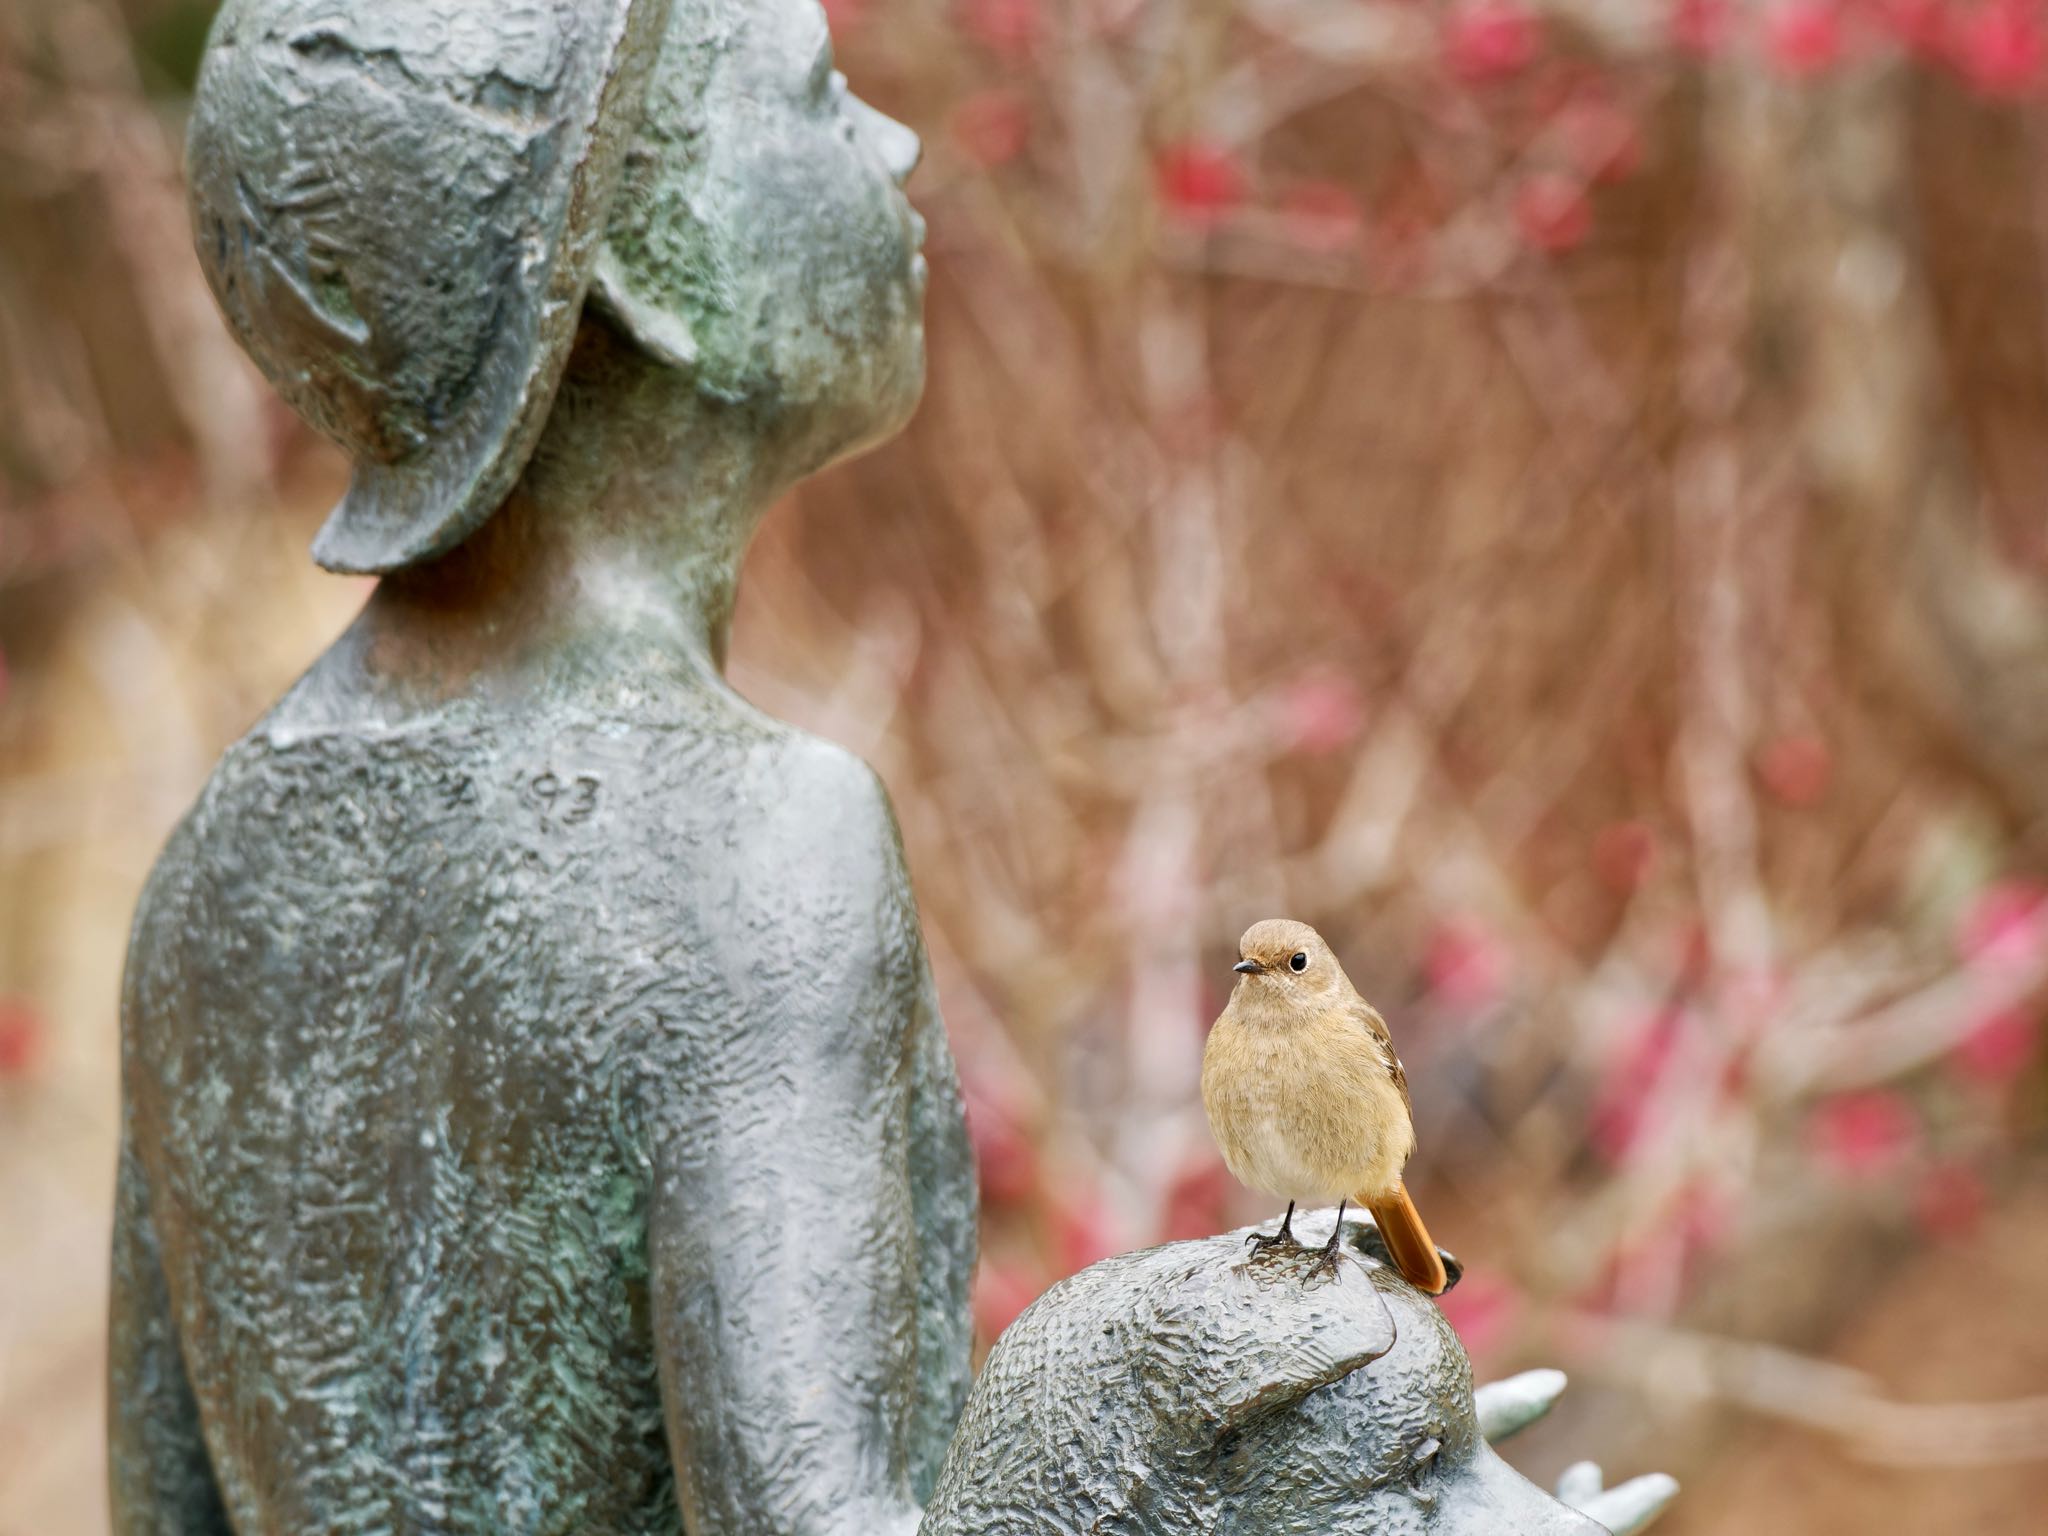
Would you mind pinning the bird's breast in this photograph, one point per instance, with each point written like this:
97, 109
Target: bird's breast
1304, 1114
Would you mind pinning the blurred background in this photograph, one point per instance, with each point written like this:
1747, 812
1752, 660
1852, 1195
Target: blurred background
1550, 491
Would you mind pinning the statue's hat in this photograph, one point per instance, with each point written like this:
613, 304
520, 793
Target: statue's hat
398, 205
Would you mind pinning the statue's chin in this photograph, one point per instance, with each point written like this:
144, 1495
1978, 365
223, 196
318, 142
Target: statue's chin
885, 405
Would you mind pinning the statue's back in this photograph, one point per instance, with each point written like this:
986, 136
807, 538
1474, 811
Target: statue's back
400, 1003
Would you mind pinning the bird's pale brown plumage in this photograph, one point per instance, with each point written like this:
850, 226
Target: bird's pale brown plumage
1306, 1096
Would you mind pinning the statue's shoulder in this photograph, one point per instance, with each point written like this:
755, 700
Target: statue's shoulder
826, 819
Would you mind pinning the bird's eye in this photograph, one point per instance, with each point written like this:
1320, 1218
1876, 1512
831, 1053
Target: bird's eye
1298, 961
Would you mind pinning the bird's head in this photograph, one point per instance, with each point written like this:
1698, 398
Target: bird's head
1281, 958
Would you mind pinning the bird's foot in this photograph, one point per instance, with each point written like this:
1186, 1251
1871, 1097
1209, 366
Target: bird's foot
1327, 1258
1283, 1240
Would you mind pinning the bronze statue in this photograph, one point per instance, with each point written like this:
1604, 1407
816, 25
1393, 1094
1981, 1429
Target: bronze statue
516, 997
536, 1115
1190, 1390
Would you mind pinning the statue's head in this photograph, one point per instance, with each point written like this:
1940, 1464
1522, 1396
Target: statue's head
402, 205
1191, 1389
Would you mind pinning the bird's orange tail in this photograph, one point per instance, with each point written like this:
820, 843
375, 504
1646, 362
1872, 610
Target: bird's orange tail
1408, 1241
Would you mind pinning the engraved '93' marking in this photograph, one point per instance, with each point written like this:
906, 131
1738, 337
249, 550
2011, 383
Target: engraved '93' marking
567, 800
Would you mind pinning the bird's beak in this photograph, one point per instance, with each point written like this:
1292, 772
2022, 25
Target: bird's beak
1248, 967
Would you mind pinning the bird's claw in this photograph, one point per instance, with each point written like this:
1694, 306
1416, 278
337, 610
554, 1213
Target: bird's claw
1261, 1244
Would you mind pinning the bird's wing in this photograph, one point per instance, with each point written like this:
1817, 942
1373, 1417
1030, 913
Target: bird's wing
1383, 1038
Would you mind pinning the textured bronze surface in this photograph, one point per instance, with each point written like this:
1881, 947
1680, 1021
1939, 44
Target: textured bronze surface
1192, 1390
398, 206
536, 1117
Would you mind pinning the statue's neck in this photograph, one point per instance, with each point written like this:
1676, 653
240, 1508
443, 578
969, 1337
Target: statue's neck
615, 562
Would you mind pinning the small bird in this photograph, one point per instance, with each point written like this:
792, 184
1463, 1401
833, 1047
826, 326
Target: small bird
1308, 1100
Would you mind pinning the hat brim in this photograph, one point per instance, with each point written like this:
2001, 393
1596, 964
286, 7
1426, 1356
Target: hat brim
420, 505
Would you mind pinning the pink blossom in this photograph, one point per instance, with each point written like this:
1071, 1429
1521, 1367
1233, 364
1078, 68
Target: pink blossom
21, 1037
1601, 138
1949, 1200
1863, 1135
1484, 1310
1004, 1157
1630, 1082
1465, 965
992, 127
1699, 26
1199, 182
1322, 711
2000, 1048
1919, 26
1084, 1231
1796, 769
2006, 927
1001, 1291
1999, 48
842, 16
1803, 38
1006, 27
1194, 1202
1321, 216
1624, 853
1552, 212
1490, 39
1705, 1214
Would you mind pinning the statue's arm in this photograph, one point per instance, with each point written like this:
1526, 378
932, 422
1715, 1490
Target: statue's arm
944, 1198
159, 1480
785, 1264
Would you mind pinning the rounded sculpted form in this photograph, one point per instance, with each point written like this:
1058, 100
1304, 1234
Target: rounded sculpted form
1191, 1390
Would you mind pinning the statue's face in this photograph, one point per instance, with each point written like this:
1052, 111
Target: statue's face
761, 241
1393, 1449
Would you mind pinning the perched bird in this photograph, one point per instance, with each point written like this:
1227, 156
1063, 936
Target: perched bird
1308, 1100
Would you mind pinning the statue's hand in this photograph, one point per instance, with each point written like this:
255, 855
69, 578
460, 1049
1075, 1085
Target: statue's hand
1507, 1407
1624, 1510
